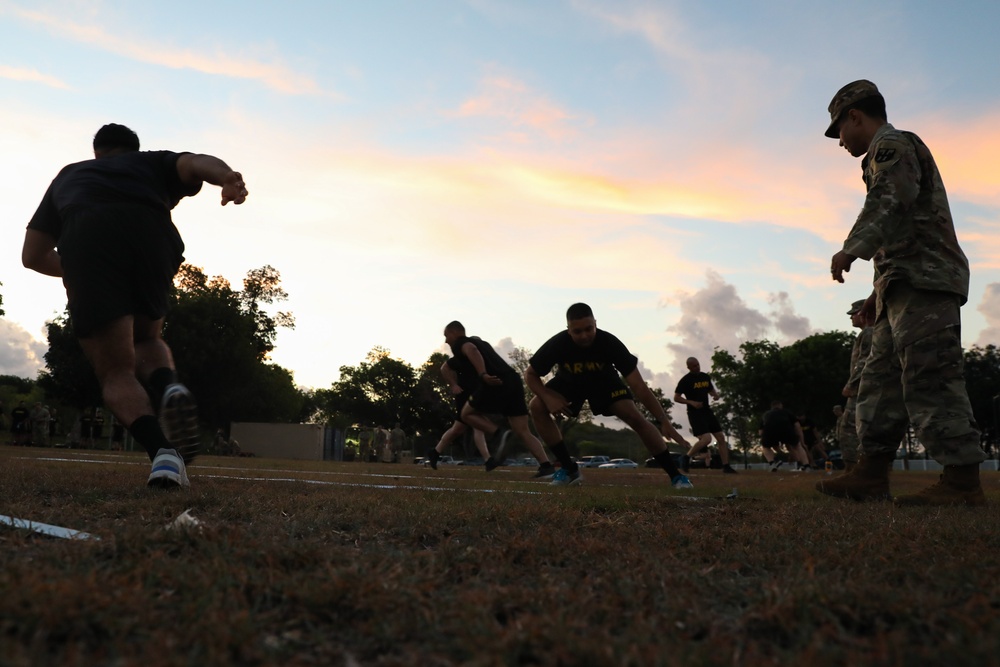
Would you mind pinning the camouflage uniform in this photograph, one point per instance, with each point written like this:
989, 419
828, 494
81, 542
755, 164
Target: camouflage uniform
921, 280
847, 431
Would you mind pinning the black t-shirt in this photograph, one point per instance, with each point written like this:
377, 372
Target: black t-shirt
780, 420
599, 360
147, 178
464, 375
495, 364
695, 387
809, 434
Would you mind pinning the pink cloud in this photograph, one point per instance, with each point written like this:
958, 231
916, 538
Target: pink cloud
506, 98
274, 76
31, 75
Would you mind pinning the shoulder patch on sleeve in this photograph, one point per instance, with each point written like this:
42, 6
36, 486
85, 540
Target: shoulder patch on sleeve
884, 154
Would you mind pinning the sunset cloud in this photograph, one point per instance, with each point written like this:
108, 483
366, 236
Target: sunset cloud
275, 76
32, 76
512, 101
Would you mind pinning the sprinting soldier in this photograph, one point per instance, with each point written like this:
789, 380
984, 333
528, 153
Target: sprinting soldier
588, 362
810, 439
461, 383
781, 428
693, 391
104, 227
498, 391
921, 281
847, 430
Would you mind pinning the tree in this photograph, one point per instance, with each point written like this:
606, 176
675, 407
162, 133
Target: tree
982, 381
807, 376
220, 339
68, 377
381, 391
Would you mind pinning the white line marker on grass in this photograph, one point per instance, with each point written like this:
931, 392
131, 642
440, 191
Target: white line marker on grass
47, 529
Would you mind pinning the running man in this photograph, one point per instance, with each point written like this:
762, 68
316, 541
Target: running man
498, 391
693, 390
588, 362
104, 227
781, 427
461, 385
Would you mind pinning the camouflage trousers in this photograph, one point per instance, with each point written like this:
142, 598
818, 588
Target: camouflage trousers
847, 432
914, 374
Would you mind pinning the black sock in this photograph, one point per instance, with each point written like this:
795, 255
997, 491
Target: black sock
159, 380
147, 432
666, 460
562, 453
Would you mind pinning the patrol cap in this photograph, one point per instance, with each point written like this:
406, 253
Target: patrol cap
856, 306
853, 92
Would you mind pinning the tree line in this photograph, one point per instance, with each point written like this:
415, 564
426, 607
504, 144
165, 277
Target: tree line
222, 337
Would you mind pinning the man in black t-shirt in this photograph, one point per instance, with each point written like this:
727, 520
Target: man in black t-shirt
590, 364
498, 391
781, 427
461, 384
104, 227
693, 390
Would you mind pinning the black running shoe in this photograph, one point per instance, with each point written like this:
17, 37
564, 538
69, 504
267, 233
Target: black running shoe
491, 464
433, 458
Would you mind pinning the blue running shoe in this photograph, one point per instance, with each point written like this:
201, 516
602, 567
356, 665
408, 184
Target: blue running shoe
564, 477
681, 482
168, 471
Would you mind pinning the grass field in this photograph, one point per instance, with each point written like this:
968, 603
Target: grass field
299, 563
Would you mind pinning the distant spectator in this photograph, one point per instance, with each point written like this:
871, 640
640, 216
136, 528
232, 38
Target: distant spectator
39, 425
397, 442
20, 424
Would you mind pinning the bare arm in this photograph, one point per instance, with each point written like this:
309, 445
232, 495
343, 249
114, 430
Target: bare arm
471, 353
39, 253
555, 402
193, 169
645, 396
451, 377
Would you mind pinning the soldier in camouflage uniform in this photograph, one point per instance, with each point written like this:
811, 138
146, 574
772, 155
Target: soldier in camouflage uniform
847, 431
914, 371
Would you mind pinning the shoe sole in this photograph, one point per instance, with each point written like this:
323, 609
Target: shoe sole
179, 422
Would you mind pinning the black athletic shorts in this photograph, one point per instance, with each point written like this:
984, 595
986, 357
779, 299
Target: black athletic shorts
776, 439
600, 392
118, 260
506, 399
703, 421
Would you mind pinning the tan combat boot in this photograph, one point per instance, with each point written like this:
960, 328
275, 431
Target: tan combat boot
867, 480
958, 485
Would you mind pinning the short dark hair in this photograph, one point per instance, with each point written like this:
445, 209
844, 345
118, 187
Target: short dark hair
578, 311
873, 107
113, 136
455, 325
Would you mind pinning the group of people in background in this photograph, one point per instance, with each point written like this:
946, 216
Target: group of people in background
97, 215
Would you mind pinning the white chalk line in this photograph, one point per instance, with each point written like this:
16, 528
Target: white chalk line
47, 529
302, 472
408, 487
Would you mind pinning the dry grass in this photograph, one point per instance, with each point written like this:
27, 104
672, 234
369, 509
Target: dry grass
342, 564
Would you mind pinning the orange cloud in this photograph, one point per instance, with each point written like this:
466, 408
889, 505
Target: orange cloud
967, 153
32, 75
274, 76
514, 102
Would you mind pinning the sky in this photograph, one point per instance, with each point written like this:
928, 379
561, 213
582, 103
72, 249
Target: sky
413, 163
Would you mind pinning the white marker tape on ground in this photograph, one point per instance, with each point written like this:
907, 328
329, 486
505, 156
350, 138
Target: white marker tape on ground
46, 529
366, 486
